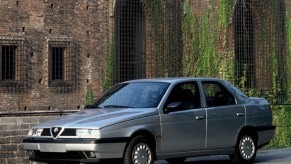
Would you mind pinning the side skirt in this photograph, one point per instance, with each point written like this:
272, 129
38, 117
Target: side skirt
196, 153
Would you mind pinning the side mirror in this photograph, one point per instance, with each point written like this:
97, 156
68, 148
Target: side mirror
174, 106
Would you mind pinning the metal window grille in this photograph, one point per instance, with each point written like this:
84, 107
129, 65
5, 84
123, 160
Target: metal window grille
15, 62
63, 66
244, 44
148, 39
8, 62
164, 38
58, 54
130, 34
260, 47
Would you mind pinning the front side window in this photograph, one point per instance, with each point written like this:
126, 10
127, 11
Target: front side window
217, 95
187, 94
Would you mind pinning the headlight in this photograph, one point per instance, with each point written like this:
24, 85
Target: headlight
35, 132
88, 133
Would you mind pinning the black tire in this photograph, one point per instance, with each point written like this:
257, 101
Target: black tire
139, 151
246, 150
176, 160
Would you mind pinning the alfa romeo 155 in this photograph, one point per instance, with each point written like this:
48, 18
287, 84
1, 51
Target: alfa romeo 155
140, 121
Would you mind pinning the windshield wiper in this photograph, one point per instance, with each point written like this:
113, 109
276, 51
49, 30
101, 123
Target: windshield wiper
91, 107
116, 106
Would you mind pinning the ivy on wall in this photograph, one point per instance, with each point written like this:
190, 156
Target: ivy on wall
108, 72
288, 36
206, 50
208, 45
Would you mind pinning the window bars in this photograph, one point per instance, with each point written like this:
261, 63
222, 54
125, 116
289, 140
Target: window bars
63, 65
15, 60
130, 35
244, 44
148, 39
260, 47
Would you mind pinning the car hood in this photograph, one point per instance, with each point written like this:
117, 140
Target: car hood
98, 118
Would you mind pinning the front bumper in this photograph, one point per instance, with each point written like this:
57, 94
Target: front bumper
74, 150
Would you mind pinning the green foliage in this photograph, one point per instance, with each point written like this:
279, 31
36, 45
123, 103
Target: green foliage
89, 96
208, 50
202, 36
224, 13
288, 33
281, 119
108, 73
203, 54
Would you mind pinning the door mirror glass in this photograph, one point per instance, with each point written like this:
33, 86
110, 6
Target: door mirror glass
174, 106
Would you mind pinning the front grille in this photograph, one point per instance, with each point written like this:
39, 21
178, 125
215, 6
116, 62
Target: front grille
69, 132
66, 132
46, 132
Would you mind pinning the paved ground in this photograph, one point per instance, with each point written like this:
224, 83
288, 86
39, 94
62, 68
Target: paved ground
274, 156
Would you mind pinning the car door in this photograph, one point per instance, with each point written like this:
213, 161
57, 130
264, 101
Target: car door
184, 127
224, 116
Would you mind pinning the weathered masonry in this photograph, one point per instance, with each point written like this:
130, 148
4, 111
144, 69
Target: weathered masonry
56, 55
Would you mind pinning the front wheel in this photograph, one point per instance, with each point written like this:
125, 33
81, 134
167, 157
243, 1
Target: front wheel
139, 151
246, 150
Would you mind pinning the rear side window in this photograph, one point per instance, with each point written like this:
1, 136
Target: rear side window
217, 95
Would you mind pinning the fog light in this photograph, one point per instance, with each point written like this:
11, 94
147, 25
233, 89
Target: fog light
90, 154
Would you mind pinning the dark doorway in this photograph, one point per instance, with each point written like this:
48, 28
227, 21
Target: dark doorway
130, 39
244, 44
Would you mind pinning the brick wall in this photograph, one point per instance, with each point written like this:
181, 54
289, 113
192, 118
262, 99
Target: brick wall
38, 22
14, 127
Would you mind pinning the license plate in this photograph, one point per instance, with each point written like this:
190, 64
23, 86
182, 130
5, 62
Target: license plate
60, 148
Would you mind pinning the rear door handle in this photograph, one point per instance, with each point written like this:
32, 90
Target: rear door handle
200, 117
240, 114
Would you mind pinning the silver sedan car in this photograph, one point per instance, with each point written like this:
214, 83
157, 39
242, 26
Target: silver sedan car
140, 121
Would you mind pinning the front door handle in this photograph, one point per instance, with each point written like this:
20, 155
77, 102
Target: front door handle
240, 114
200, 117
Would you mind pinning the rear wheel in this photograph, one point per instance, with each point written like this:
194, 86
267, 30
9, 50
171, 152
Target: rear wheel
246, 150
139, 151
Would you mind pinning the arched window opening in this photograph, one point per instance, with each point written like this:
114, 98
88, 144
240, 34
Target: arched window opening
244, 45
130, 39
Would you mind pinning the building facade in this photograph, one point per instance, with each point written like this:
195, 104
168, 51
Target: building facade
56, 56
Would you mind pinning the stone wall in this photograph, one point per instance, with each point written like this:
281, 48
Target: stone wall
14, 127
84, 23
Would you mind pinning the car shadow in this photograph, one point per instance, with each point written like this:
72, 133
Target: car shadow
205, 160
209, 162
272, 155
261, 158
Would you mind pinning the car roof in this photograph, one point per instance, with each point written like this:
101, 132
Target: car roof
172, 79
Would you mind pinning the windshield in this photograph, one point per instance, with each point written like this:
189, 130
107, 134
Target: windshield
133, 95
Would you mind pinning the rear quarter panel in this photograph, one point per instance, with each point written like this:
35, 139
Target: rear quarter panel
258, 112
259, 115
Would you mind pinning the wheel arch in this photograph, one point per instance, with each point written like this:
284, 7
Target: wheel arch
248, 130
147, 134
